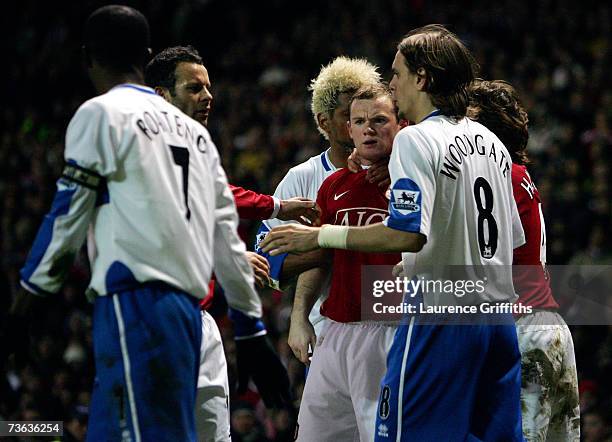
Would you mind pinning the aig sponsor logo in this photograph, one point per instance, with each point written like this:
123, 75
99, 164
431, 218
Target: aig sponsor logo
360, 216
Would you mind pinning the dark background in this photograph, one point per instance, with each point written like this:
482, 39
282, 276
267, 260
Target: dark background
261, 57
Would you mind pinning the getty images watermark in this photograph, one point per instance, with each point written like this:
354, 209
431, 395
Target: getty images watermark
424, 288
473, 294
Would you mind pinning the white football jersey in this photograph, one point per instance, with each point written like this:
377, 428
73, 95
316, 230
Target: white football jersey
451, 182
303, 180
148, 181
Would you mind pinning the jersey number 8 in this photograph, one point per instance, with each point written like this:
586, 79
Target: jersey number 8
487, 244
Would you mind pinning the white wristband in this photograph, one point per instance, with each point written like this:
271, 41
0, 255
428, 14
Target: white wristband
277, 207
333, 237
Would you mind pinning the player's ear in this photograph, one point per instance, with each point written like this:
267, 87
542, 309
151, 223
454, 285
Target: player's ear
162, 92
348, 128
323, 121
421, 79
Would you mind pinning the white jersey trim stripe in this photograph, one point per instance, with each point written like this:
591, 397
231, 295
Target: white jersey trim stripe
400, 405
126, 367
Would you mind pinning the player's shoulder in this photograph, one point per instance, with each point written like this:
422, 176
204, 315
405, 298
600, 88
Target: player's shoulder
519, 172
123, 98
424, 133
132, 98
339, 175
414, 142
475, 126
477, 129
307, 169
93, 106
336, 179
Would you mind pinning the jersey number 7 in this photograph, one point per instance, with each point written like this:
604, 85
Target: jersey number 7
181, 158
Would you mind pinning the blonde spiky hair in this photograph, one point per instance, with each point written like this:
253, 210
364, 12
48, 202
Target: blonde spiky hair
342, 75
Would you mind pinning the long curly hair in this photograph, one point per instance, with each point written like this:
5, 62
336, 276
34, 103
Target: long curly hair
496, 105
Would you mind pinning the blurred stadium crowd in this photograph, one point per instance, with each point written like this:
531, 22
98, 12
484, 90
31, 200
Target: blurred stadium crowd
260, 57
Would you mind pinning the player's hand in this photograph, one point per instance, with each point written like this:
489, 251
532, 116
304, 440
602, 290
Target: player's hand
398, 270
378, 173
300, 209
257, 360
261, 269
354, 162
290, 238
301, 335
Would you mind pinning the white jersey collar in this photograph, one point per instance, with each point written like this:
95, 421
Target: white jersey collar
327, 164
138, 87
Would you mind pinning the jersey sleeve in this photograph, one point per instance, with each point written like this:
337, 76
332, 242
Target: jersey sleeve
90, 159
413, 184
289, 187
253, 205
519, 199
231, 267
92, 140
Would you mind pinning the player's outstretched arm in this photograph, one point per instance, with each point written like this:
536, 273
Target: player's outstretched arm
231, 266
300, 209
372, 238
301, 331
284, 268
260, 267
256, 359
253, 205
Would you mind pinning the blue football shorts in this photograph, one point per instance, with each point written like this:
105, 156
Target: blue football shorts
452, 382
147, 356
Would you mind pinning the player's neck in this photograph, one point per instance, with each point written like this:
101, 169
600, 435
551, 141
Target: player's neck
423, 109
106, 79
338, 155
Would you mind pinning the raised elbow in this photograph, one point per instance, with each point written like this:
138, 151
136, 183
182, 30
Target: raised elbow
419, 242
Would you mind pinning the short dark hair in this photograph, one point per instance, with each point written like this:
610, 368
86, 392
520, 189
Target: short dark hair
372, 92
496, 105
160, 70
448, 64
118, 37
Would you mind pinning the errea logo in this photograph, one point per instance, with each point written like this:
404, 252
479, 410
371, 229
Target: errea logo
383, 430
406, 201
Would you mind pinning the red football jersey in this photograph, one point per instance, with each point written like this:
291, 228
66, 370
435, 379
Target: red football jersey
249, 205
252, 205
348, 199
531, 281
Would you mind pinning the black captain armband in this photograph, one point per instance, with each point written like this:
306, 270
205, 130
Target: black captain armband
82, 176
